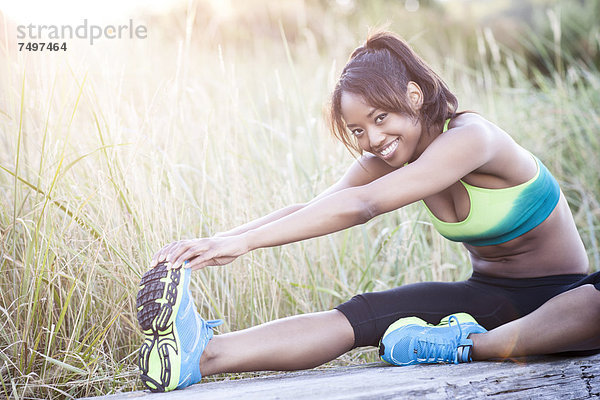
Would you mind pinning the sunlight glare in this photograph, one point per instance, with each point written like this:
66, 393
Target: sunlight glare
72, 11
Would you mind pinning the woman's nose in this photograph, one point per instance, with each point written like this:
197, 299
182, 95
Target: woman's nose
376, 139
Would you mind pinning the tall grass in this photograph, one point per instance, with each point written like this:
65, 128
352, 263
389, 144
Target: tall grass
111, 151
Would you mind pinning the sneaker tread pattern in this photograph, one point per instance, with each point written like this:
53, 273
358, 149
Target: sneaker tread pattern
152, 288
155, 304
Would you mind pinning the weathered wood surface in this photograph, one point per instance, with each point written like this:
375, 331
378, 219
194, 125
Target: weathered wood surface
540, 378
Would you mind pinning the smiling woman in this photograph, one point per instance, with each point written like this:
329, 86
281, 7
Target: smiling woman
109, 151
529, 267
429, 102
369, 126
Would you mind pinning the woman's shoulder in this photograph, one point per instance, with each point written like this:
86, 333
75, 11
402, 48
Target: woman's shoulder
508, 164
472, 126
471, 120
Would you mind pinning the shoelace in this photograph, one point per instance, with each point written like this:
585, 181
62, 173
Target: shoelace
213, 323
440, 349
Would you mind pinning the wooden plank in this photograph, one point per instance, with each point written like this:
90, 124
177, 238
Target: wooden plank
542, 377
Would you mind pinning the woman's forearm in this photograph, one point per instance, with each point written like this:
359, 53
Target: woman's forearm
333, 213
257, 223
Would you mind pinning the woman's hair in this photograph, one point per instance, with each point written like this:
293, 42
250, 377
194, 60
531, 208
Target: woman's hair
379, 71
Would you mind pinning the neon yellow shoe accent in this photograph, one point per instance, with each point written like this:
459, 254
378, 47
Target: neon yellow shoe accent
175, 335
463, 318
405, 321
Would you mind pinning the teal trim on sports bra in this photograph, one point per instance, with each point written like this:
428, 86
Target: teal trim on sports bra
499, 215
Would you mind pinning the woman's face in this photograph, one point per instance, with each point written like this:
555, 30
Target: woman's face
393, 137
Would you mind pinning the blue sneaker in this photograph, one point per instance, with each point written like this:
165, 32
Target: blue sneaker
175, 335
411, 340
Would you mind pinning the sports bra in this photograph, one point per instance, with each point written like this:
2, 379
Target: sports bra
499, 215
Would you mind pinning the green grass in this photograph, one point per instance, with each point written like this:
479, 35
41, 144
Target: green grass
112, 151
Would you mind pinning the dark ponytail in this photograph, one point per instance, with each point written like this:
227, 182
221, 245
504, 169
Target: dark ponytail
379, 71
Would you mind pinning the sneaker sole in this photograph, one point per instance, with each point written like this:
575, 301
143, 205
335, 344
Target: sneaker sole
157, 304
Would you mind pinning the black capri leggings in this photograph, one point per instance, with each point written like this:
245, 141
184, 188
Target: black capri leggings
491, 301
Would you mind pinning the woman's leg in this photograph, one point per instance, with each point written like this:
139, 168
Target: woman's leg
306, 341
567, 322
299, 342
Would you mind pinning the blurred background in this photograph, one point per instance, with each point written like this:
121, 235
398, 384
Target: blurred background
111, 150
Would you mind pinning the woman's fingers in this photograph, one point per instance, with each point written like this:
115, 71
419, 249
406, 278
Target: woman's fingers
188, 252
156, 258
169, 253
198, 253
200, 259
176, 253
160, 256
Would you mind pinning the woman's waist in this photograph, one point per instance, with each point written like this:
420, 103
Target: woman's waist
537, 253
528, 271
531, 264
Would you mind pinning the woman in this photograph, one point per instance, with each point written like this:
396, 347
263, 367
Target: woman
529, 292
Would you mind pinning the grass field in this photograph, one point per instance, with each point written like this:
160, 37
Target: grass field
110, 151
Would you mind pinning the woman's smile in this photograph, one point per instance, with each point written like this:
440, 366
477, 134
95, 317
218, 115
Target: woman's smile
388, 150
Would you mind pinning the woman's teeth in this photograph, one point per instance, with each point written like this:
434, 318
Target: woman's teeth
389, 149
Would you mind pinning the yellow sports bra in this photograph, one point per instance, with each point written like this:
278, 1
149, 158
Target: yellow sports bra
499, 215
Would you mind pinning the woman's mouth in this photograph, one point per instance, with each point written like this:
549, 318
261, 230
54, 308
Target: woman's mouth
387, 151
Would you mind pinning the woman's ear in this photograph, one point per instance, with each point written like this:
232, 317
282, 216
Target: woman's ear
415, 95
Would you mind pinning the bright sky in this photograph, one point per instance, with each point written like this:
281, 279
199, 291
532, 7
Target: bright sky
71, 11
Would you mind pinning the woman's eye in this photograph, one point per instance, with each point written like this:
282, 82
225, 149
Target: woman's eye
357, 132
380, 117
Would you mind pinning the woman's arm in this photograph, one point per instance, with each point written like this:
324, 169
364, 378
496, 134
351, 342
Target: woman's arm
318, 218
364, 170
339, 210
446, 160
257, 223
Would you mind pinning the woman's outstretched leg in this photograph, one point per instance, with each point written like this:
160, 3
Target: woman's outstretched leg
298, 342
179, 346
567, 322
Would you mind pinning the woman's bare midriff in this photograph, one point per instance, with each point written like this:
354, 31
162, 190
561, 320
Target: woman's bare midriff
552, 248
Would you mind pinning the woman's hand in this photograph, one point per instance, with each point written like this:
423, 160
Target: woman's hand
199, 253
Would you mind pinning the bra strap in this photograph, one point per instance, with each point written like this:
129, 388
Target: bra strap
446, 125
